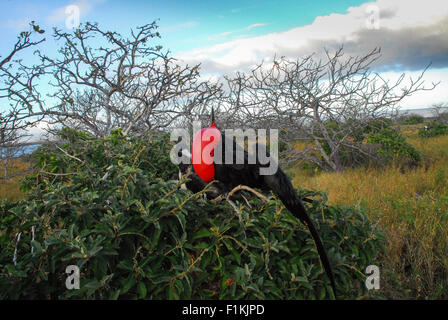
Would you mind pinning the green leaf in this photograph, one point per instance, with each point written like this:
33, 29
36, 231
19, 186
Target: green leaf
141, 288
129, 283
203, 233
36, 246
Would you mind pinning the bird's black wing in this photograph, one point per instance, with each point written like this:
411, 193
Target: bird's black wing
232, 175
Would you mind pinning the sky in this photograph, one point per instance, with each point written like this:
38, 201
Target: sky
227, 36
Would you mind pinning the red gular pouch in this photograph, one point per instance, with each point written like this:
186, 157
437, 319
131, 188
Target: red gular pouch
203, 151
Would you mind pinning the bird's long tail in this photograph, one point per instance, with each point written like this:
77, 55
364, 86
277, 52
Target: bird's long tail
282, 186
321, 250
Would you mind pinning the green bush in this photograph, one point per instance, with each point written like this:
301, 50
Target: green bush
394, 145
433, 129
351, 156
108, 206
413, 119
372, 127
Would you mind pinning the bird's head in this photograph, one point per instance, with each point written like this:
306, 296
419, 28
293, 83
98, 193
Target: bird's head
204, 143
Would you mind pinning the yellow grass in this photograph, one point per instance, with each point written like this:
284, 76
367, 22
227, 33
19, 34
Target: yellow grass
410, 207
10, 189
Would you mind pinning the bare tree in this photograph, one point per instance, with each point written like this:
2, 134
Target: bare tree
323, 101
14, 120
101, 80
24, 40
440, 112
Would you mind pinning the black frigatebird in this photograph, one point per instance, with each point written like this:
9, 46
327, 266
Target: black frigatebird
233, 174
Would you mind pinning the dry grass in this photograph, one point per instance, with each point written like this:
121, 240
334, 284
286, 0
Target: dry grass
410, 207
10, 189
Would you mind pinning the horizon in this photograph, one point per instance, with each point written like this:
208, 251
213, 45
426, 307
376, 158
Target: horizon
424, 112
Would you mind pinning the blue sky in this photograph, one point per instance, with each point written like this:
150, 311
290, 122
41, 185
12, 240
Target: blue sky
226, 36
184, 24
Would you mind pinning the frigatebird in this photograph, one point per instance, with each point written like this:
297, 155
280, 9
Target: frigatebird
230, 174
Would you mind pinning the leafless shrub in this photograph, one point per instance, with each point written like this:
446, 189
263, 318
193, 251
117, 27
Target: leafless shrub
440, 112
14, 119
323, 101
101, 80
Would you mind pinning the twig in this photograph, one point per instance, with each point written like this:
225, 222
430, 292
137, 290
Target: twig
75, 158
217, 199
242, 187
58, 174
247, 201
238, 212
14, 259
32, 239
69, 155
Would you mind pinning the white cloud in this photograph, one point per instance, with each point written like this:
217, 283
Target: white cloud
424, 98
227, 33
38, 131
410, 33
255, 25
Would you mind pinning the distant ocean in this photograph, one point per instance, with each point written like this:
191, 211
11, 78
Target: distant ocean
30, 148
424, 112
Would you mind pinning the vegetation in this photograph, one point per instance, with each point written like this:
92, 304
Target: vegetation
433, 129
413, 119
107, 202
106, 206
410, 207
10, 188
394, 145
378, 143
